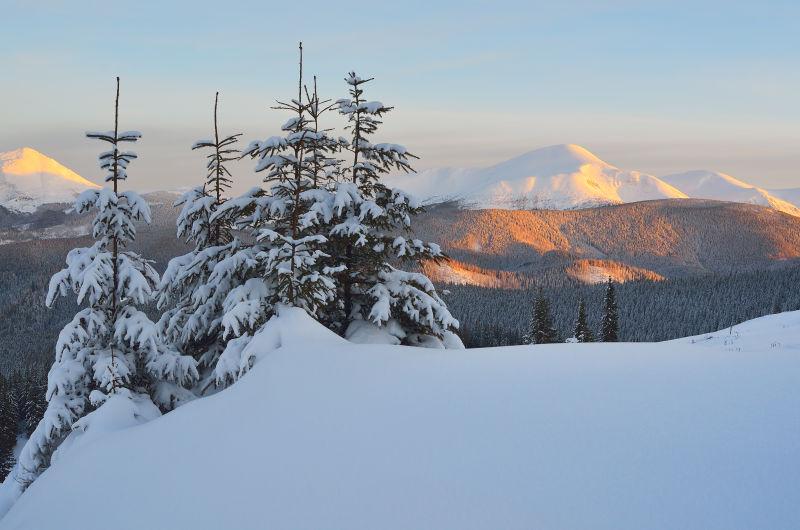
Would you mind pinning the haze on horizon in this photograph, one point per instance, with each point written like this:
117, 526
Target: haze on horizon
659, 87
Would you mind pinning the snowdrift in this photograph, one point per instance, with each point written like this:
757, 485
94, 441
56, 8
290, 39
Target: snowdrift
321, 433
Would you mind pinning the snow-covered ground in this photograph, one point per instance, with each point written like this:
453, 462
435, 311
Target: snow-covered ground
699, 433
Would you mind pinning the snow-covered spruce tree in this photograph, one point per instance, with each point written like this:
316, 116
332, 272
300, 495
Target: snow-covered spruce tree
541, 329
582, 331
286, 263
609, 327
372, 232
193, 306
109, 359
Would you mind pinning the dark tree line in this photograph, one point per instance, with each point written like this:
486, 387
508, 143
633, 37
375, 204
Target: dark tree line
647, 311
541, 329
22, 404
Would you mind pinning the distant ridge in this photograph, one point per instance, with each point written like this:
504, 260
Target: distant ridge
568, 176
644, 240
559, 177
29, 179
704, 184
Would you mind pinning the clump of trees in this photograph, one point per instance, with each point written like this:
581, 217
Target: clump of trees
322, 232
22, 405
541, 329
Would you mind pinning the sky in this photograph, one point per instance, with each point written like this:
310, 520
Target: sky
657, 86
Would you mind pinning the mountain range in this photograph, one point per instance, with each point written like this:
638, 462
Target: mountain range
564, 177
602, 221
559, 177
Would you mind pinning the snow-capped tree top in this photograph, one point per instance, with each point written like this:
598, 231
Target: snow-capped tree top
115, 162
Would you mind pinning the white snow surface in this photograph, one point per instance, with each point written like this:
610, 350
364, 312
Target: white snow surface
556, 177
698, 433
704, 184
791, 195
29, 179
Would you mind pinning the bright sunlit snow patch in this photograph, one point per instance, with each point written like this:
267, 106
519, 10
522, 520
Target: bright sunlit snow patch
698, 433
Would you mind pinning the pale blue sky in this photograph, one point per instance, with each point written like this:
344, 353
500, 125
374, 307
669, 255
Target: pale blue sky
654, 86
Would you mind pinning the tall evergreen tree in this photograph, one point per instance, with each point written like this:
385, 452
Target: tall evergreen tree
541, 329
372, 230
286, 219
193, 306
110, 351
286, 263
582, 331
609, 330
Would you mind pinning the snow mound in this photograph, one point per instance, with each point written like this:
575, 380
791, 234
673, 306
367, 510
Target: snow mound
29, 179
322, 433
556, 177
703, 184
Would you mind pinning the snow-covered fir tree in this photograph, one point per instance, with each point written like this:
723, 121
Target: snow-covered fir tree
609, 326
286, 262
192, 304
540, 328
372, 232
109, 358
287, 218
582, 332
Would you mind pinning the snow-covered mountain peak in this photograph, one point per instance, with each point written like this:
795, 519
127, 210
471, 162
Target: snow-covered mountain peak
29, 179
705, 177
705, 184
557, 177
562, 158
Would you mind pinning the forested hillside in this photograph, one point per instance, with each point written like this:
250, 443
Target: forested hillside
677, 237
722, 262
650, 310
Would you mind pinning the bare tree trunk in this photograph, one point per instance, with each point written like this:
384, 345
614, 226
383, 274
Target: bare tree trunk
298, 152
348, 280
114, 240
215, 228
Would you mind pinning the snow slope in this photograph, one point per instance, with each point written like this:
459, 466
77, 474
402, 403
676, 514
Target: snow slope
790, 195
557, 177
29, 179
703, 184
698, 433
